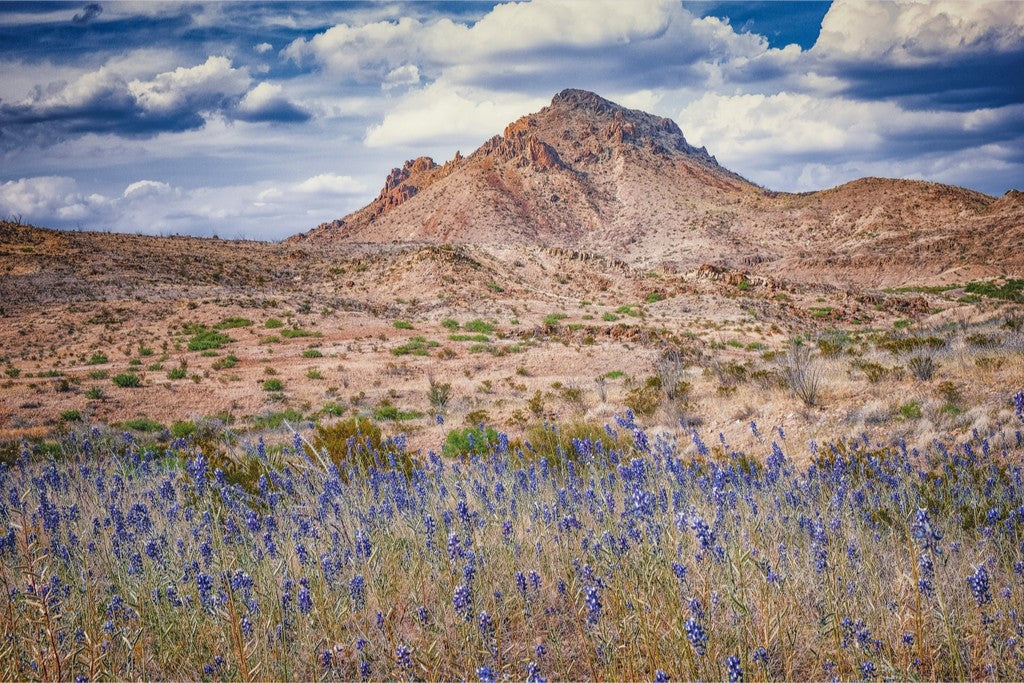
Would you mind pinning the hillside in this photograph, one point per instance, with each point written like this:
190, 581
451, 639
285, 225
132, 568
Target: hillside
585, 173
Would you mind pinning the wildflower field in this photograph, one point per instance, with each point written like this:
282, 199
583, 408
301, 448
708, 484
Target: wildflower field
630, 557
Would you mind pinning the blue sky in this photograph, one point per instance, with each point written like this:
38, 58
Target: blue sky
259, 120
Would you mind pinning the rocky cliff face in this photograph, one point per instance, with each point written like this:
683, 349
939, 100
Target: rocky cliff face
586, 173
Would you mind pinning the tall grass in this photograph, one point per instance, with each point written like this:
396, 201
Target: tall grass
648, 561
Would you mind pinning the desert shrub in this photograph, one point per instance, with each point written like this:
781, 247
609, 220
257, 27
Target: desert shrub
983, 341
207, 340
231, 323
334, 409
297, 333
127, 380
802, 373
98, 374
1010, 290
438, 394
273, 324
357, 443
417, 346
145, 351
142, 424
911, 410
273, 384
897, 345
71, 416
276, 419
228, 361
479, 326
387, 411
469, 441
552, 319
644, 400
312, 353
97, 358
180, 372
609, 317
450, 324
182, 429
95, 394
923, 367
402, 325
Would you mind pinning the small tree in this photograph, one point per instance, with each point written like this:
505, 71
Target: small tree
439, 394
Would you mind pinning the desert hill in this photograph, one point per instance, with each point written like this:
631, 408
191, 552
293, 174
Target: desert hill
587, 174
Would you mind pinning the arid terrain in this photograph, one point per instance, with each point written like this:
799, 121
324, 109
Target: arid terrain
577, 265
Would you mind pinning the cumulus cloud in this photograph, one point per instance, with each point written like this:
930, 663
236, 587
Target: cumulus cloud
267, 102
761, 134
444, 114
910, 32
266, 210
116, 98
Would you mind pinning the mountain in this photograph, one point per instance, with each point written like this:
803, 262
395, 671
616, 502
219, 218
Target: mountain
587, 174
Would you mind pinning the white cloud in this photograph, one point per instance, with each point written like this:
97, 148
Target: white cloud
783, 140
440, 113
142, 188
915, 32
408, 74
202, 84
329, 183
263, 47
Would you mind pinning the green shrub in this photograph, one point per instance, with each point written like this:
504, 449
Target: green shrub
276, 420
142, 424
334, 409
127, 380
98, 374
609, 317
403, 325
145, 351
911, 410
1010, 290
95, 394
480, 338
643, 401
97, 358
417, 346
208, 340
312, 353
231, 323
183, 429
71, 416
450, 324
295, 333
479, 326
555, 441
313, 373
228, 361
438, 394
273, 384
387, 411
180, 372
273, 324
468, 441
654, 297
552, 319
357, 442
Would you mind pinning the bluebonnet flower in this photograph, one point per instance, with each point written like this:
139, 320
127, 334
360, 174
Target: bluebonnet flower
760, 656
978, 582
403, 655
698, 638
486, 624
485, 674
867, 671
462, 601
734, 669
661, 677
533, 674
593, 600
357, 591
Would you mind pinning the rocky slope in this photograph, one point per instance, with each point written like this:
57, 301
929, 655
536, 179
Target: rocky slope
585, 173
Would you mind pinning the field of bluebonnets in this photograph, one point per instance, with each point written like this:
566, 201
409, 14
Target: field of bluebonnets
622, 557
